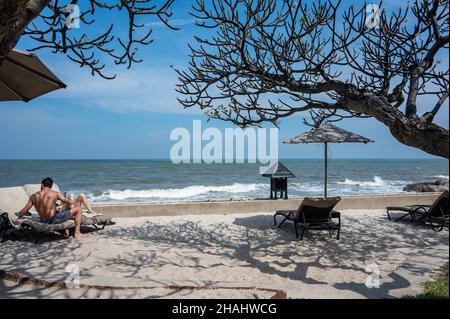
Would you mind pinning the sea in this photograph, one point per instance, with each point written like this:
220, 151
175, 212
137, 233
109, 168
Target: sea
160, 181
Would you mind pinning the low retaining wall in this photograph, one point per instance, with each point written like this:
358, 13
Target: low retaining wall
257, 206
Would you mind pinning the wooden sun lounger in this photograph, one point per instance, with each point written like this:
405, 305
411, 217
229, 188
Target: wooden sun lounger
98, 221
31, 223
415, 212
313, 214
436, 215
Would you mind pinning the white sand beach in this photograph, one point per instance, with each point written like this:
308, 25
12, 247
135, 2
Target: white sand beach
230, 256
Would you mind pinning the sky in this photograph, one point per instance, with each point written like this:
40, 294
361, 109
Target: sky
132, 116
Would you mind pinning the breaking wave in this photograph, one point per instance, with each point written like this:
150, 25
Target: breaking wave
179, 193
376, 182
247, 191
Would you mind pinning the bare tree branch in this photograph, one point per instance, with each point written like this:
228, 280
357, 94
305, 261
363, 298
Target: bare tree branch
89, 46
270, 59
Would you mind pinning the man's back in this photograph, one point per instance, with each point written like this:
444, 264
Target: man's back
45, 203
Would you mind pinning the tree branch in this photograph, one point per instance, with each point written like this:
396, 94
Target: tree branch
271, 59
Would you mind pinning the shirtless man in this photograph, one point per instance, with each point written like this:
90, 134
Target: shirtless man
45, 203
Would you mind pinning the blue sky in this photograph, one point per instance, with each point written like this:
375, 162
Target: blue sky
132, 116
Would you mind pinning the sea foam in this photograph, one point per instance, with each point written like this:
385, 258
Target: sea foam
376, 182
180, 193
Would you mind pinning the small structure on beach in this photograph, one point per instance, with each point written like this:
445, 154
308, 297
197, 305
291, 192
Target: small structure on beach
278, 174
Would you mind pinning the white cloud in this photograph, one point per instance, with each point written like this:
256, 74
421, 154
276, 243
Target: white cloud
136, 90
33, 116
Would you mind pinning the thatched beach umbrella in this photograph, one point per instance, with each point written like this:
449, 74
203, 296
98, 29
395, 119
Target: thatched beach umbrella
24, 77
327, 133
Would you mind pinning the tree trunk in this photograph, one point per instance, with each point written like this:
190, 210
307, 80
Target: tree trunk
14, 18
412, 131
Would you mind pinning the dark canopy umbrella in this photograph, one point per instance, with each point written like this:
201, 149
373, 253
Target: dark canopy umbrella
24, 77
327, 133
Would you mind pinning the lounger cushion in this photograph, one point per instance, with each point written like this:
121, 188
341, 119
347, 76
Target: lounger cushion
48, 228
319, 204
12, 199
39, 226
30, 189
95, 220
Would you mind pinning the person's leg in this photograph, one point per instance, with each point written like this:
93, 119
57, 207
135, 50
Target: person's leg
77, 214
61, 217
82, 200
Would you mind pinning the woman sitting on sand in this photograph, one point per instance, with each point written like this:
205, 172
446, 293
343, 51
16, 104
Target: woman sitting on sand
80, 201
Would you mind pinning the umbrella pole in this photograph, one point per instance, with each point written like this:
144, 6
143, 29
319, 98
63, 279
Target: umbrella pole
326, 170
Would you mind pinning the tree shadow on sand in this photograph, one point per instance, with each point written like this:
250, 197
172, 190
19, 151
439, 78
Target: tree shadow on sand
255, 243
248, 244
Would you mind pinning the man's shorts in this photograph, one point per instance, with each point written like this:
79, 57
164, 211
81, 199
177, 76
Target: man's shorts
59, 217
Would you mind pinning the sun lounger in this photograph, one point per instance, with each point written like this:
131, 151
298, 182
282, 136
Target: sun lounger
436, 214
96, 220
12, 200
33, 223
5, 224
410, 211
313, 214
27, 224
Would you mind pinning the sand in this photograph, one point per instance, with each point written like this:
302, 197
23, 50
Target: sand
214, 255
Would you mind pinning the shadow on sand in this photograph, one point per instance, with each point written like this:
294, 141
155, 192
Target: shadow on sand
251, 243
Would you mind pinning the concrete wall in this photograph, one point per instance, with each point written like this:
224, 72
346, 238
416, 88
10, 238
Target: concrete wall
14, 198
257, 206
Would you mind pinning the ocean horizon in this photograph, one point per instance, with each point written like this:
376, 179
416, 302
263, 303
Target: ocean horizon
161, 181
